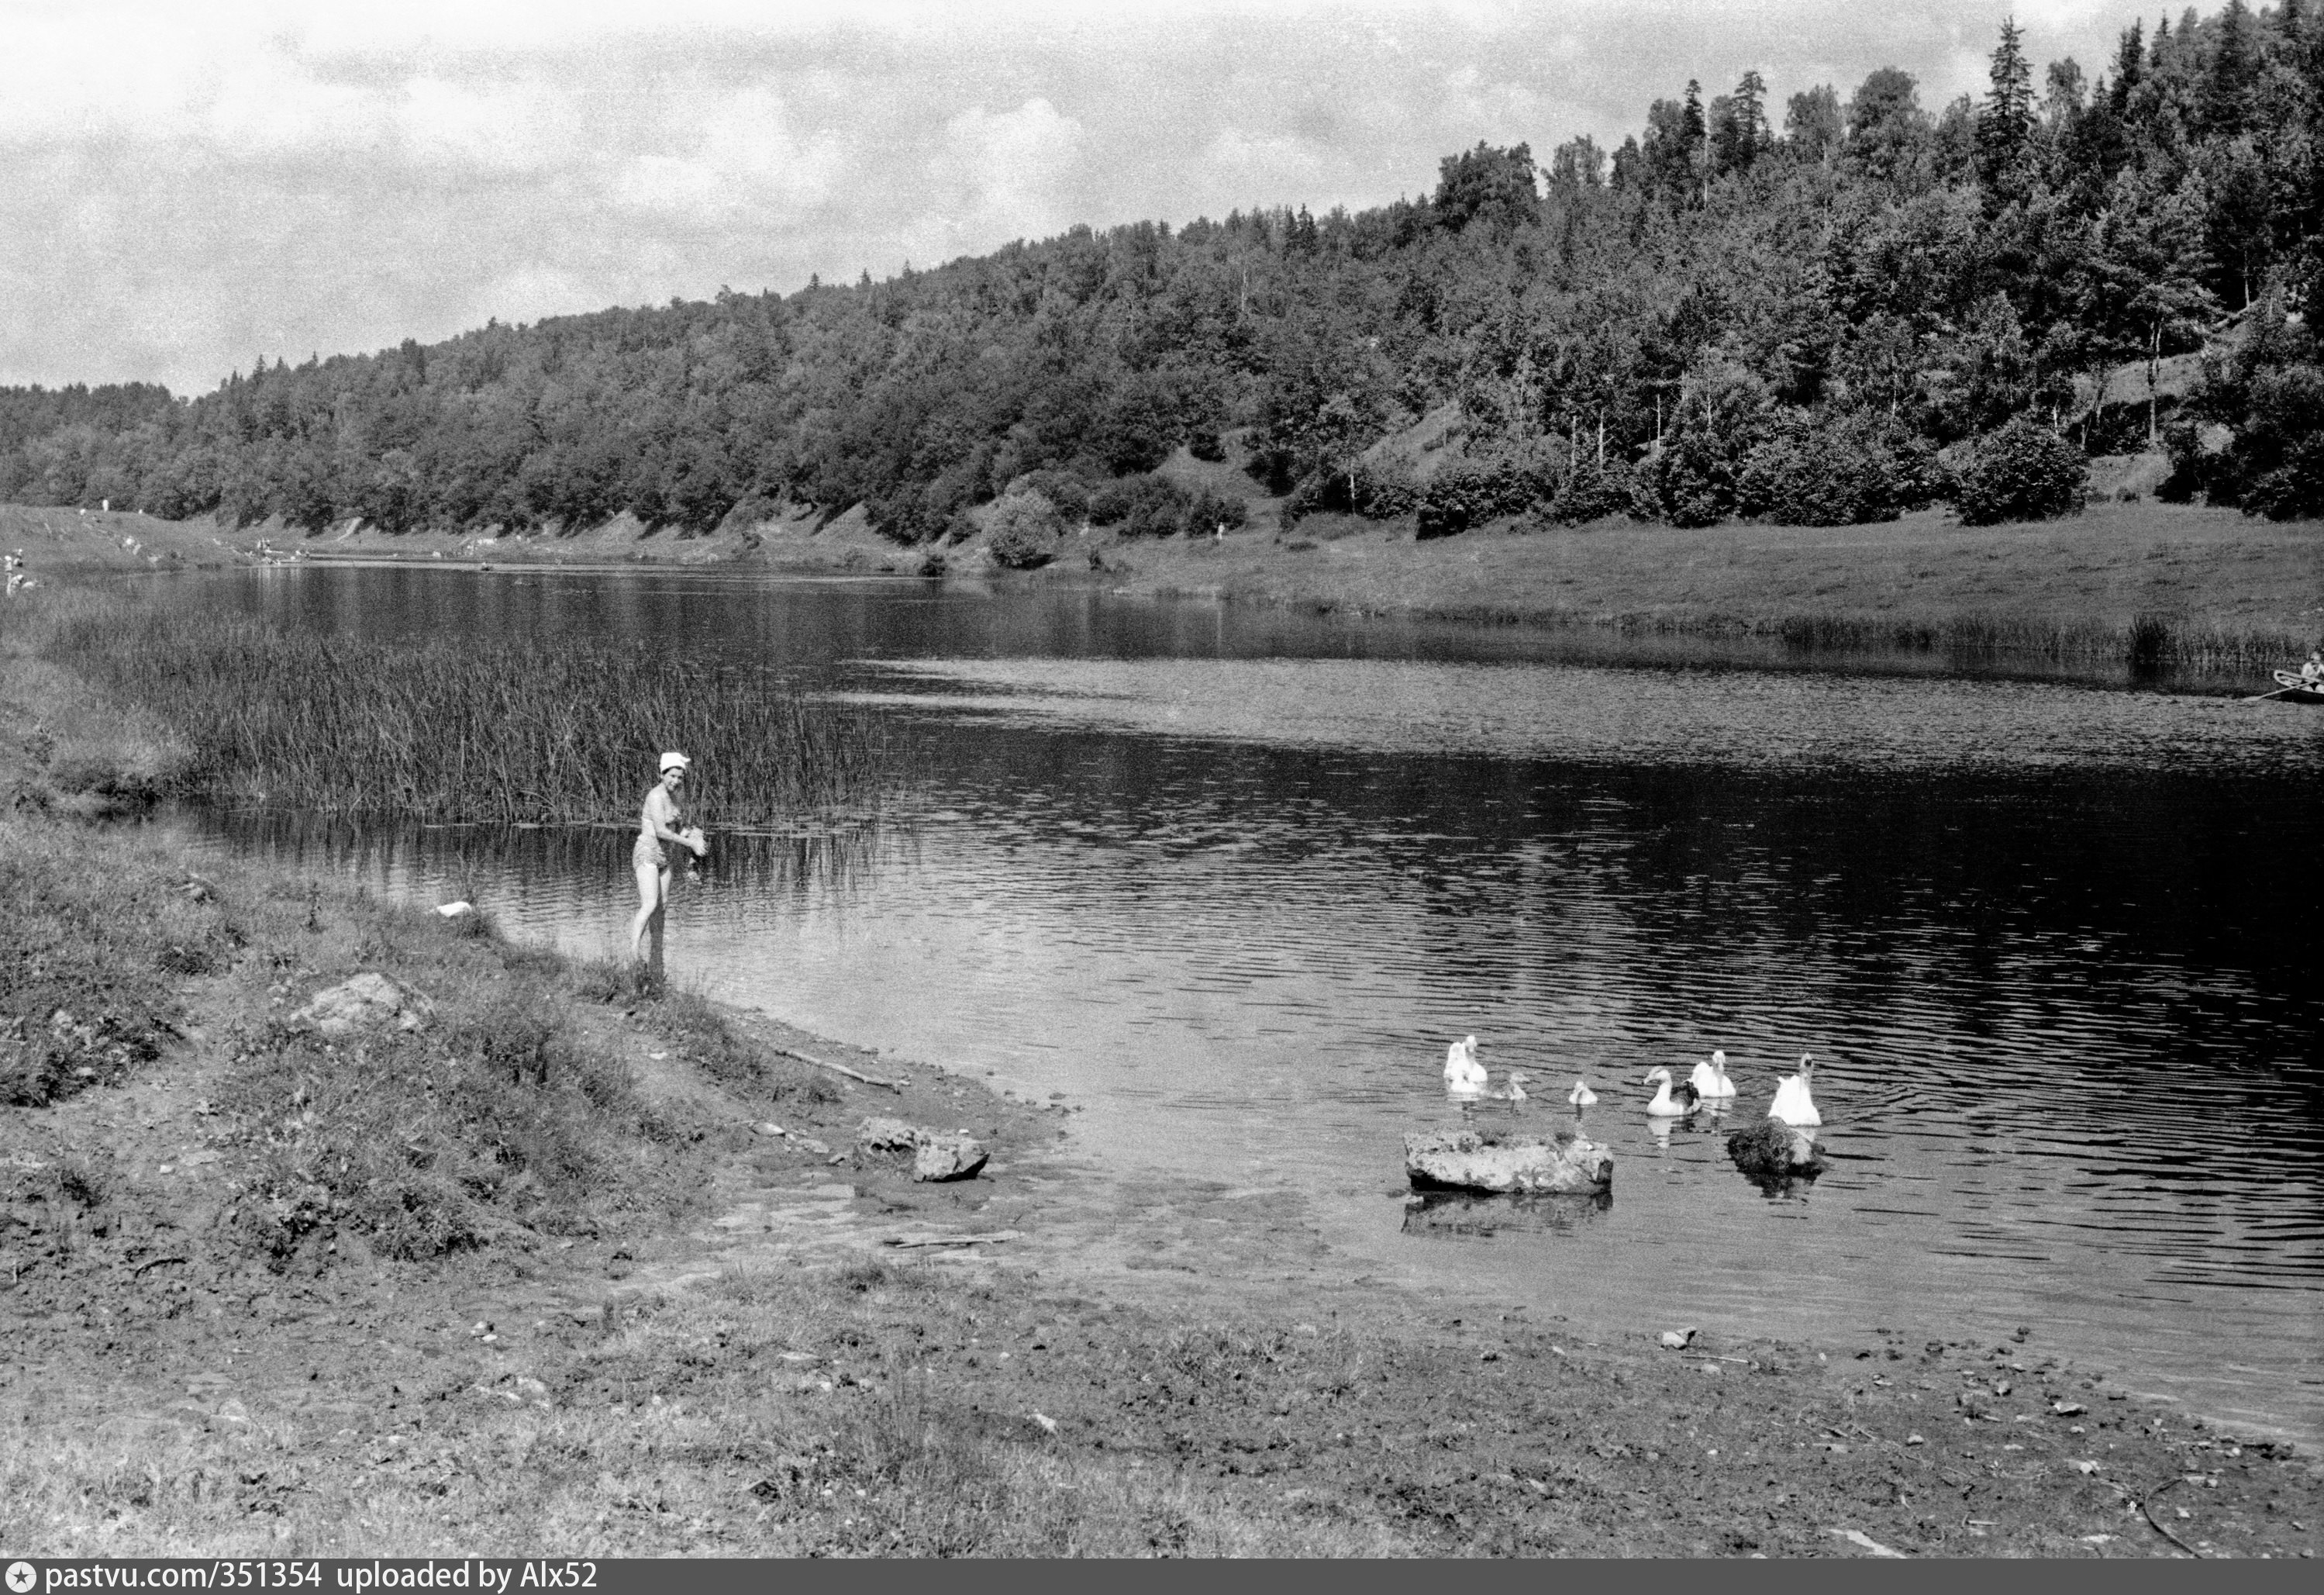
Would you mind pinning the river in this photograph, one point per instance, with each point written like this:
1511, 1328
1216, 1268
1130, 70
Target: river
1231, 879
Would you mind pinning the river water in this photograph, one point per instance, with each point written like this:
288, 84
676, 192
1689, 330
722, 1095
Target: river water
1232, 880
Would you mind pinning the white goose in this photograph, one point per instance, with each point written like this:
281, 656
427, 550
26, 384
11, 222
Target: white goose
1665, 1105
1710, 1079
1793, 1103
1582, 1096
1464, 1075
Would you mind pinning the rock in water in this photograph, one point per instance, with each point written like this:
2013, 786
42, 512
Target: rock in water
1772, 1154
365, 999
1567, 1162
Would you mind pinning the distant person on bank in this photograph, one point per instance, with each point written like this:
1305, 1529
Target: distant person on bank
658, 831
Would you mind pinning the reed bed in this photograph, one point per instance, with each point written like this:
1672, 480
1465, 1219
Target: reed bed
2151, 645
523, 732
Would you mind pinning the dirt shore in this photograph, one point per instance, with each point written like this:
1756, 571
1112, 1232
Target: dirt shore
731, 1340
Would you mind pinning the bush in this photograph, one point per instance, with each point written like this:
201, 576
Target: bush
1471, 492
2022, 471
1690, 481
1142, 507
1211, 510
1207, 444
914, 515
1591, 491
1835, 471
1025, 527
1062, 488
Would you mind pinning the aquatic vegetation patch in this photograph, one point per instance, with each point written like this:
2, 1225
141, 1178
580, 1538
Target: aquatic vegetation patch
534, 731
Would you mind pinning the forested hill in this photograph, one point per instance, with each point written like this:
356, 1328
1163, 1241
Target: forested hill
1745, 309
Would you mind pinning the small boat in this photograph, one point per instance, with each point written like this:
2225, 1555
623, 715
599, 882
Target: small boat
2291, 688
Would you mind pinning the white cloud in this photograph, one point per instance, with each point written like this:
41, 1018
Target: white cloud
1012, 169
269, 104
530, 292
1270, 167
512, 127
742, 158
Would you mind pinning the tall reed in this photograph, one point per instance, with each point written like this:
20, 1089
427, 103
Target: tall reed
564, 733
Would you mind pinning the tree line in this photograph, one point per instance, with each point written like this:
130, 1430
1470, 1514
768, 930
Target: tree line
1826, 312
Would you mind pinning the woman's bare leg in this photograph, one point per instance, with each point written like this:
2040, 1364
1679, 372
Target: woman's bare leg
652, 883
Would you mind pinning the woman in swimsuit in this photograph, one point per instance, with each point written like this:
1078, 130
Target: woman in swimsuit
658, 831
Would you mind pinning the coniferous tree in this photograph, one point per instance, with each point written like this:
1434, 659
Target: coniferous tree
2005, 121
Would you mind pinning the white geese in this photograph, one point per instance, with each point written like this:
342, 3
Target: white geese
1793, 1104
1710, 1079
1665, 1105
1582, 1096
1464, 1075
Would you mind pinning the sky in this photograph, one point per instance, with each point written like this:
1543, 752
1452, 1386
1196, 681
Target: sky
186, 187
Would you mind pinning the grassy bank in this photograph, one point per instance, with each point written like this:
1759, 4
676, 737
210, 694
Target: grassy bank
478, 731
2138, 586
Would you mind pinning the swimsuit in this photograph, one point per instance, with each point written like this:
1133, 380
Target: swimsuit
648, 847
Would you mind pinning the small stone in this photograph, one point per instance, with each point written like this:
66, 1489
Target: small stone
768, 1128
1678, 1339
2068, 1409
1914, 1440
942, 1158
